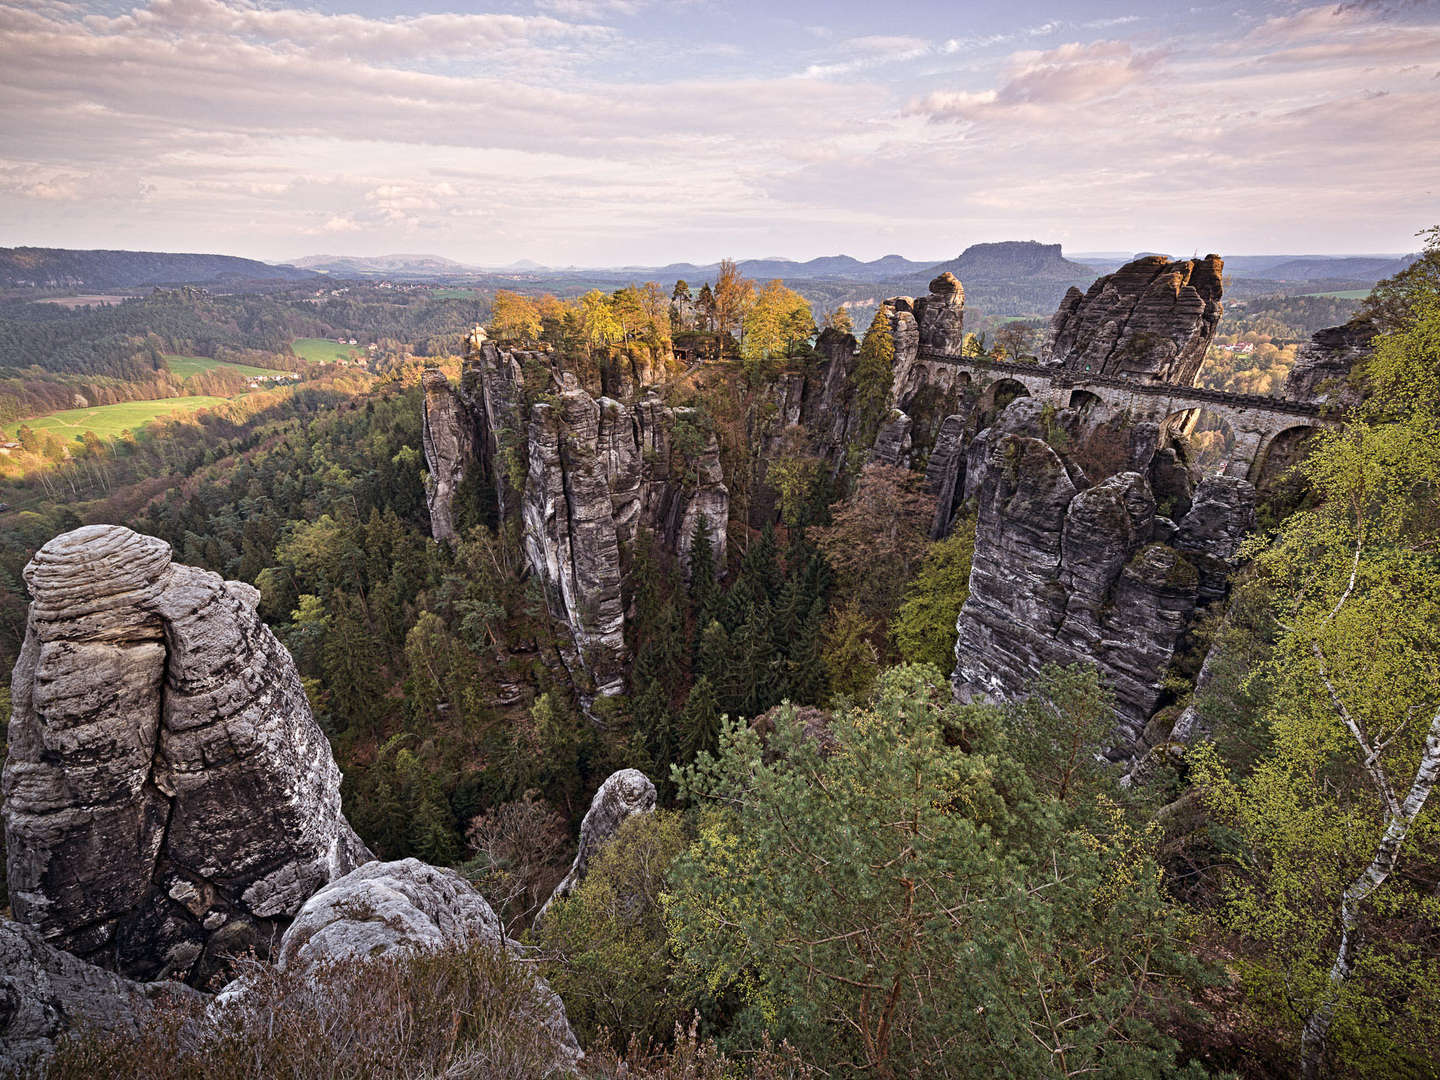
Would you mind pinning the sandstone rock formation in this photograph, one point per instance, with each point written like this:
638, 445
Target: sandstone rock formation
1323, 365
45, 992
1065, 572
383, 907
449, 451
580, 474
168, 797
927, 390
623, 795
1151, 320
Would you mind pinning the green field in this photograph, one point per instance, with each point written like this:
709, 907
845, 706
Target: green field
107, 421
1344, 294
323, 350
185, 366
456, 294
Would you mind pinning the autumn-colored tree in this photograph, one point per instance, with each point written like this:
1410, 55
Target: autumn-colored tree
874, 372
777, 321
878, 535
514, 317
733, 296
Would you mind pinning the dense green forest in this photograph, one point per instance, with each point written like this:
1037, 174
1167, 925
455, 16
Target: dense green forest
883, 881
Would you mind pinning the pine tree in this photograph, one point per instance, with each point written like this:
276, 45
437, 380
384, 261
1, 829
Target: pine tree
700, 720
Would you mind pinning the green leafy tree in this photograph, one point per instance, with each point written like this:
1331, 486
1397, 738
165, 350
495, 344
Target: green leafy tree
874, 372
903, 906
1337, 816
924, 627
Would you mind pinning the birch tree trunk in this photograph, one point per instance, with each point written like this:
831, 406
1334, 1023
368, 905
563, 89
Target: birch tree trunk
1401, 817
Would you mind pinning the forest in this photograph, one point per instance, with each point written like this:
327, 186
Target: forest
849, 873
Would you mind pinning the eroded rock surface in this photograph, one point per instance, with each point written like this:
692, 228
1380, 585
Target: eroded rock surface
1065, 572
623, 795
1150, 320
382, 907
168, 796
45, 992
1322, 368
449, 451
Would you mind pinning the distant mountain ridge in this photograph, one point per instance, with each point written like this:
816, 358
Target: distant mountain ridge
35, 267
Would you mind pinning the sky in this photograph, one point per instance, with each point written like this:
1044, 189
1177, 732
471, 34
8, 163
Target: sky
639, 132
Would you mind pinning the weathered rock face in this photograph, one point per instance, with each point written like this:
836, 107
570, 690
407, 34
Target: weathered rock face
45, 992
926, 390
1065, 573
449, 441
169, 799
596, 469
580, 474
1322, 368
1151, 320
623, 795
382, 907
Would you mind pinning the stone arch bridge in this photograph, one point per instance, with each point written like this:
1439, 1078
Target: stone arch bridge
1259, 424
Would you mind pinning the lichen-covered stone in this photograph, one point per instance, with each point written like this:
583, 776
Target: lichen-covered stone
168, 796
1324, 365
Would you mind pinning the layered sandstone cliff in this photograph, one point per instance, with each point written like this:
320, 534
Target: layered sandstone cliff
1151, 320
168, 797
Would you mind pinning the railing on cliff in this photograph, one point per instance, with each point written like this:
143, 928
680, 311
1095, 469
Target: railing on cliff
1063, 377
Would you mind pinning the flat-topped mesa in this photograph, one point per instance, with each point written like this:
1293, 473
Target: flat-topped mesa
1151, 320
169, 799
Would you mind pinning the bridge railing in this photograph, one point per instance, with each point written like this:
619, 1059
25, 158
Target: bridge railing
1060, 376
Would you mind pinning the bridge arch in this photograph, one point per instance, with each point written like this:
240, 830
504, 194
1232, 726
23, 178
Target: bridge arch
1279, 452
1002, 392
1210, 436
1085, 400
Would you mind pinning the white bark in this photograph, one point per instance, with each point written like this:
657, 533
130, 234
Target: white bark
1401, 817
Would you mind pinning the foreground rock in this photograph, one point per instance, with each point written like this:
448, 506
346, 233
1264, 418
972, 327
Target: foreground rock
168, 797
44, 992
623, 795
405, 905
1150, 320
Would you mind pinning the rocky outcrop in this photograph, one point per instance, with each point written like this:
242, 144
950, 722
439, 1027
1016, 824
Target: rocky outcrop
168, 796
448, 438
924, 389
941, 316
1323, 366
1151, 320
45, 992
406, 905
623, 795
596, 470
1065, 572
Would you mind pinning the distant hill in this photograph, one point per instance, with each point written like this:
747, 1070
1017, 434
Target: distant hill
1320, 268
1014, 260
384, 265
62, 268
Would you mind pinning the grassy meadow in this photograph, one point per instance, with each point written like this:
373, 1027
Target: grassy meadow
1344, 294
323, 350
108, 421
185, 366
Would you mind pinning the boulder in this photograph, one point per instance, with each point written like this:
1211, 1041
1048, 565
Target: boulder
168, 796
406, 905
623, 795
1323, 366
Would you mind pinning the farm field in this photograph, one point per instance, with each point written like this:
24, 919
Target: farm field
185, 366
1344, 294
323, 350
456, 294
107, 421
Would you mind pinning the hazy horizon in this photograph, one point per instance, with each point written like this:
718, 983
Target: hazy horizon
631, 132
